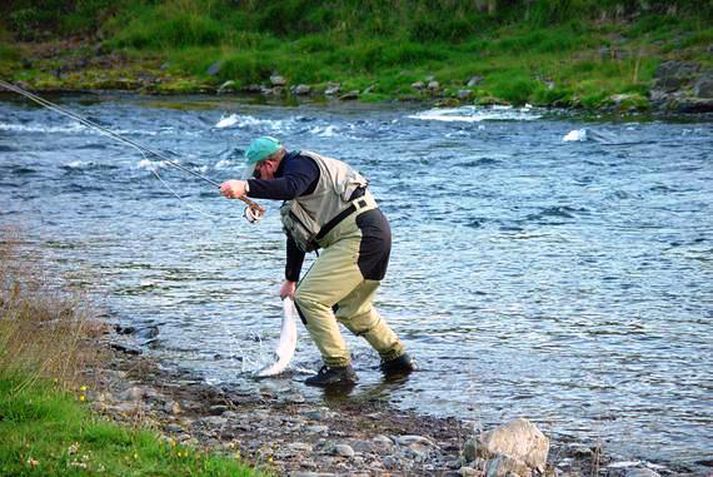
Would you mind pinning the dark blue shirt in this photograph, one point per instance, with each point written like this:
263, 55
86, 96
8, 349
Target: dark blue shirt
296, 176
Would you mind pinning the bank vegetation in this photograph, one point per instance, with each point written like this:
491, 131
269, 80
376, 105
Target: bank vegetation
587, 53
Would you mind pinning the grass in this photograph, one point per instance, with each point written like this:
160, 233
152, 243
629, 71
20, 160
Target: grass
541, 52
48, 339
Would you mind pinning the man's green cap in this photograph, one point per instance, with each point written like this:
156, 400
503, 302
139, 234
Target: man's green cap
261, 148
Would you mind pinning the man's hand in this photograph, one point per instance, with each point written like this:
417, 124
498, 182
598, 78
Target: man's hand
233, 189
288, 289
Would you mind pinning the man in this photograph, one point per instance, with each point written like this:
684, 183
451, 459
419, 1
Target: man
328, 207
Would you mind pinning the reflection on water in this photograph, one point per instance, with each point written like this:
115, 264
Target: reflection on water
541, 267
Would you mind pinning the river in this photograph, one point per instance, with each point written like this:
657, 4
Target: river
544, 265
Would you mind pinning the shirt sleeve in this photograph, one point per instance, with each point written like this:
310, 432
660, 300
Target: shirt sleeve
299, 176
295, 259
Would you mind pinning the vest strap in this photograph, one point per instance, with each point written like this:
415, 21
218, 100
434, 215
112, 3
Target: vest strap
357, 204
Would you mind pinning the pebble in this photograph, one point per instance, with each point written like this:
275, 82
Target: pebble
217, 421
173, 428
317, 429
642, 473
344, 450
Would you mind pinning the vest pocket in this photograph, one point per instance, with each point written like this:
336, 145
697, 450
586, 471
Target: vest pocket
298, 228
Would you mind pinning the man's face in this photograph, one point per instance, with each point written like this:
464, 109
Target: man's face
266, 169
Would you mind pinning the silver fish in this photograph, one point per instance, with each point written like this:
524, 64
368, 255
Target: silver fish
287, 343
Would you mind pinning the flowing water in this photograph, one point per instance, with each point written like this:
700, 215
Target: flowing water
542, 266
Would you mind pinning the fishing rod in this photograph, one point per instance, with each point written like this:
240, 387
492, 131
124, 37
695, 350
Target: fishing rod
253, 212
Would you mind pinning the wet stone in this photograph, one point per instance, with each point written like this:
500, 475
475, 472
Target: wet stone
317, 429
343, 450
642, 473
173, 428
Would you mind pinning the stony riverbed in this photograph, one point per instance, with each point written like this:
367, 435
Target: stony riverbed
278, 431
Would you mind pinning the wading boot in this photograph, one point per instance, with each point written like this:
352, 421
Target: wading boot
334, 376
397, 367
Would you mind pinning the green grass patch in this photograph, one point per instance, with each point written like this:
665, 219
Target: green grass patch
47, 432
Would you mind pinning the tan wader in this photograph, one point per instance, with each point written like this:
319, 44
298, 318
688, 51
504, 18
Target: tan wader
335, 279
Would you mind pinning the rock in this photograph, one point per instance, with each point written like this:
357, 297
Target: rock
433, 85
693, 105
464, 94
673, 75
251, 88
642, 473
173, 428
125, 348
354, 94
301, 90
519, 439
704, 87
172, 407
227, 87
391, 462
317, 414
317, 429
211, 421
503, 466
277, 80
215, 68
382, 441
419, 85
408, 440
474, 81
419, 445
468, 472
332, 89
311, 474
124, 330
134, 393
218, 409
343, 450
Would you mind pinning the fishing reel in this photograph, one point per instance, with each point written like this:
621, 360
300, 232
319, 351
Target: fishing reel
253, 212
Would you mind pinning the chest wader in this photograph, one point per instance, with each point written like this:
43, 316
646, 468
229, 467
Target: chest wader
341, 284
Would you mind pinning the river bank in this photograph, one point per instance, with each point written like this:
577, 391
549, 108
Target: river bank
279, 431
581, 55
76, 66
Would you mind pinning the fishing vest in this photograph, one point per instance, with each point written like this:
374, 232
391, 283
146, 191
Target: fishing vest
308, 218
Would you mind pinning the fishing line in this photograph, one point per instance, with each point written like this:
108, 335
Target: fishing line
253, 212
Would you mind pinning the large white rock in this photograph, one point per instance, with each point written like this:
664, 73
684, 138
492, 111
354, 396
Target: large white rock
519, 439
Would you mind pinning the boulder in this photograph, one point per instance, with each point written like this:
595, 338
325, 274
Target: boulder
433, 85
301, 90
692, 105
464, 94
332, 89
704, 87
673, 75
518, 439
343, 450
419, 85
277, 80
504, 466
